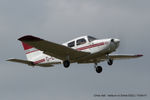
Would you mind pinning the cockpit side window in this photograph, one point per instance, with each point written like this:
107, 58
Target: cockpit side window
90, 38
71, 44
81, 41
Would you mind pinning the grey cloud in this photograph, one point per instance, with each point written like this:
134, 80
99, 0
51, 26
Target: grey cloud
62, 20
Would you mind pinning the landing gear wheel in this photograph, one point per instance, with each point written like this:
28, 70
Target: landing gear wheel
66, 63
31, 64
110, 62
99, 69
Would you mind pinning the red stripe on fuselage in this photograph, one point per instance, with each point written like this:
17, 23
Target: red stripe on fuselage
90, 46
39, 61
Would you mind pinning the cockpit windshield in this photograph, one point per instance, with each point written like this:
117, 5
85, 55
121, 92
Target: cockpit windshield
90, 38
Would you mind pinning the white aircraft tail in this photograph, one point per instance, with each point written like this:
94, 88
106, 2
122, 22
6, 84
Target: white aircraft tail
31, 53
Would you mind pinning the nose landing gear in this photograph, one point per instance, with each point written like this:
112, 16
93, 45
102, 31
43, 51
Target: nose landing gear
110, 61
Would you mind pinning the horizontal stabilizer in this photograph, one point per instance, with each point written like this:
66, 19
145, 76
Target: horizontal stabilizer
30, 63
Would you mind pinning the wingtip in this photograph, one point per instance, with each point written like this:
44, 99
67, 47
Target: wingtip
10, 59
29, 38
7, 60
139, 55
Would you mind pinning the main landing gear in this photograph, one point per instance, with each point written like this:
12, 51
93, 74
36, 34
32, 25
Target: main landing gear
66, 63
98, 68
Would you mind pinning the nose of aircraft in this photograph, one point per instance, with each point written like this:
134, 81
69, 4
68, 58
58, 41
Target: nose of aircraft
117, 41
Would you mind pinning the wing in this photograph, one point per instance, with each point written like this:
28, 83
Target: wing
53, 49
30, 63
124, 56
112, 56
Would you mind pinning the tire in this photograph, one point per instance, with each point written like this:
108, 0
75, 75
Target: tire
110, 62
66, 64
99, 69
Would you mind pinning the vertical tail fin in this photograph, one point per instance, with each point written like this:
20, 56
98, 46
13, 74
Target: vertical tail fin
31, 52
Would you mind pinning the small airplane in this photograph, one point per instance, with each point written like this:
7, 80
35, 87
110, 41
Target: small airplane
81, 50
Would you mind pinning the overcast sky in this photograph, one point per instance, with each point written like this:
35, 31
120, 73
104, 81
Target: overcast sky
60, 21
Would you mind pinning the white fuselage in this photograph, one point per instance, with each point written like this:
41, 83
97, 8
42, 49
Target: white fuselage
98, 45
